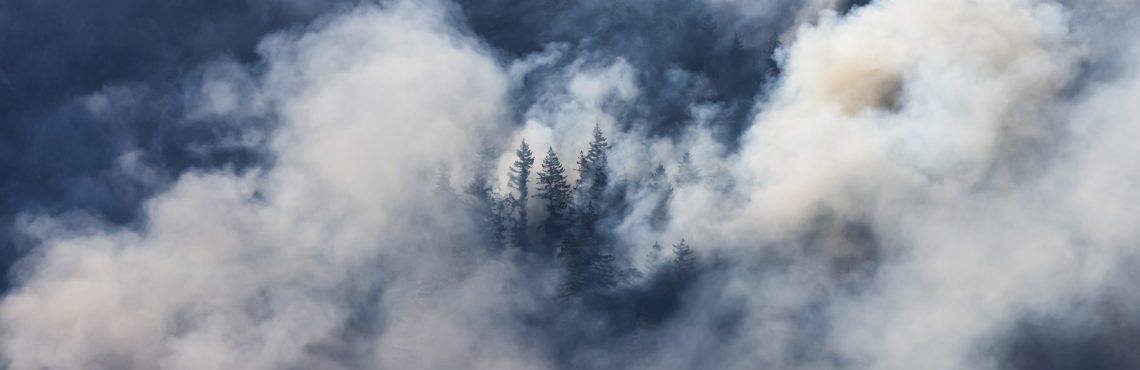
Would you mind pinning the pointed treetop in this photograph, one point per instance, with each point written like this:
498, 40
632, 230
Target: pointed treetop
686, 170
553, 188
598, 144
658, 178
654, 253
684, 259
520, 170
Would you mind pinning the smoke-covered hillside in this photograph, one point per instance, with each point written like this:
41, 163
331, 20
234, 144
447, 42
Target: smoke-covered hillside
591, 184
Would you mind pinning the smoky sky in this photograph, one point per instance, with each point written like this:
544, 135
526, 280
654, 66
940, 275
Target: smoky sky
54, 155
274, 183
59, 157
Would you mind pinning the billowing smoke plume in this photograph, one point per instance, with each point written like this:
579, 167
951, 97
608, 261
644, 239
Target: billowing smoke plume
941, 184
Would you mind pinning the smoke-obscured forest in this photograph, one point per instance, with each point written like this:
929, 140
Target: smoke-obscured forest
541, 184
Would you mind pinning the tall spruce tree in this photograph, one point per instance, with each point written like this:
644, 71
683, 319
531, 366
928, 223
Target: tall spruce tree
519, 177
659, 187
552, 188
591, 185
584, 172
487, 208
654, 255
593, 169
684, 259
658, 179
686, 170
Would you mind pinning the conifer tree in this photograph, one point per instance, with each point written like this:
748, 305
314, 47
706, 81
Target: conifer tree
658, 179
552, 188
593, 169
684, 259
686, 171
592, 181
659, 187
654, 255
486, 206
589, 263
519, 177
583, 171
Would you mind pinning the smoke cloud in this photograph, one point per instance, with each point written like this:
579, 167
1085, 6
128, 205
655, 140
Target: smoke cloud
866, 185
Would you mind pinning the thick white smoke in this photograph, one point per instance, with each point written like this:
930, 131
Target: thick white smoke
950, 129
925, 174
945, 126
259, 270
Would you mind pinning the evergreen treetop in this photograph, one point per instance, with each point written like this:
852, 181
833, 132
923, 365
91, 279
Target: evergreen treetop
518, 180
684, 258
553, 188
520, 170
686, 171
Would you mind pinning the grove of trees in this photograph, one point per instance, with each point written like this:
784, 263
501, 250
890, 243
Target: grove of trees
569, 234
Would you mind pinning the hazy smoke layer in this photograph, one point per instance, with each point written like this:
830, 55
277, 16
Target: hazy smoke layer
941, 184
